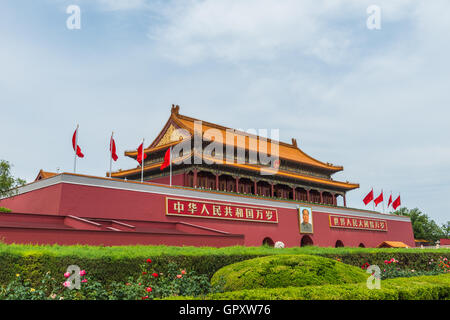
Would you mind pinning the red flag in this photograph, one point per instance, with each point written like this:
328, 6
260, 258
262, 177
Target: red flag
378, 199
368, 198
141, 154
396, 203
390, 200
75, 142
112, 148
166, 162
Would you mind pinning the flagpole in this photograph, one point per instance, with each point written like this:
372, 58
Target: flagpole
388, 200
76, 147
142, 162
373, 203
110, 154
383, 199
170, 153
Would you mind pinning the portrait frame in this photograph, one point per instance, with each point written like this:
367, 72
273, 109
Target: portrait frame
302, 229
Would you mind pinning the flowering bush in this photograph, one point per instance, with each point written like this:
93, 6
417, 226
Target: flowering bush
174, 282
433, 267
365, 266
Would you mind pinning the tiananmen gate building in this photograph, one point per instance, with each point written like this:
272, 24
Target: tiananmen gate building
225, 197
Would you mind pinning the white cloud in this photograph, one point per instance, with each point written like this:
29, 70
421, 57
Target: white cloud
240, 30
116, 5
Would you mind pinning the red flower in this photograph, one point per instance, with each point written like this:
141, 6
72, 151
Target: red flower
155, 275
148, 289
149, 260
146, 297
144, 273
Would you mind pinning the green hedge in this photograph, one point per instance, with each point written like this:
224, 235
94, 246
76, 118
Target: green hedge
108, 264
415, 288
279, 271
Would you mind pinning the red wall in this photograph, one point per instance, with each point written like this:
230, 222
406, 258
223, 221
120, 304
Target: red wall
177, 180
96, 202
45, 200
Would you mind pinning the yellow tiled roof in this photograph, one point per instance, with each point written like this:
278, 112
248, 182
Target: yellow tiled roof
44, 175
393, 244
286, 151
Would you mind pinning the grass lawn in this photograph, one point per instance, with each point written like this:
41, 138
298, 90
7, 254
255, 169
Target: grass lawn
144, 251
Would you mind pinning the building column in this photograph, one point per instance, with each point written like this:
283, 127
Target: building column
334, 199
321, 197
307, 195
195, 178
345, 202
293, 194
255, 187
217, 181
271, 191
237, 184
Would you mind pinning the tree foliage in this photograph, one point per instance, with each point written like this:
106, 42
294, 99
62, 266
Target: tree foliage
7, 182
446, 229
423, 226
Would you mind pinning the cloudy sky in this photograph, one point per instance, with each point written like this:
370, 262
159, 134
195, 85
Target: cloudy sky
374, 101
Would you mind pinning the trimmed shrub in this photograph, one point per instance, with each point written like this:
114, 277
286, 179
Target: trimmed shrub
286, 270
108, 264
414, 288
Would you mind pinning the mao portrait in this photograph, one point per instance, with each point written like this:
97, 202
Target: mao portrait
305, 217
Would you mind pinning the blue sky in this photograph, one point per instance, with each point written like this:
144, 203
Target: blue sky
374, 101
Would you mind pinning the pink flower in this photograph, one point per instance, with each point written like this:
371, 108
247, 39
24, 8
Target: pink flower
148, 289
84, 280
183, 271
179, 276
82, 272
66, 284
67, 274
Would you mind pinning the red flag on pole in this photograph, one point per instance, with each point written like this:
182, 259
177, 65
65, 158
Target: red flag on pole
112, 148
166, 162
368, 198
378, 199
396, 203
75, 145
390, 200
141, 155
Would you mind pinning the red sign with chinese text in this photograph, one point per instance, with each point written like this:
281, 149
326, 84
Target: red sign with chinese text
219, 210
358, 223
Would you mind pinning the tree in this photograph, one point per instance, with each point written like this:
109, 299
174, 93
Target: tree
423, 227
7, 182
446, 229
